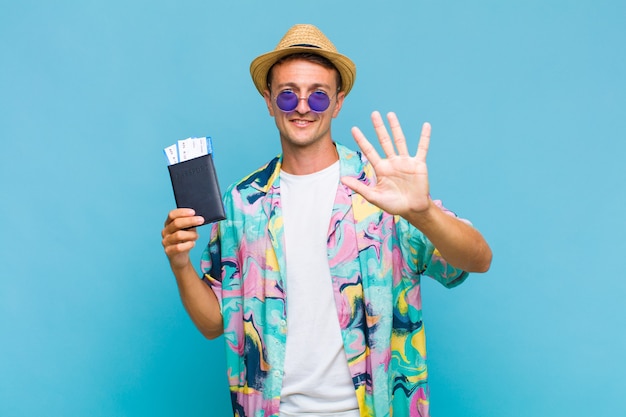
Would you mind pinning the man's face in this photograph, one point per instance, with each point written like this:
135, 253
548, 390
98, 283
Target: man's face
303, 127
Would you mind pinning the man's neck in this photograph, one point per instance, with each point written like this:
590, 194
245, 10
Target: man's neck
310, 159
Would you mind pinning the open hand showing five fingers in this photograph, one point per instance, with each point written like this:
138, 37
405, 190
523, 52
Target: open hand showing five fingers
402, 180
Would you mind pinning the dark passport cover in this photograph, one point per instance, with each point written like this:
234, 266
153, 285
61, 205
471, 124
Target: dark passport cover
195, 186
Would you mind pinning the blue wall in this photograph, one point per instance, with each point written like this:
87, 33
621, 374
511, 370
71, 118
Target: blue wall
527, 100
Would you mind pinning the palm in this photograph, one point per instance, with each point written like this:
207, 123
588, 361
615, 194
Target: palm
402, 180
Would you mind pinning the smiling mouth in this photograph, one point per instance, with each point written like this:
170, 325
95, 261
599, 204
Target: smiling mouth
301, 122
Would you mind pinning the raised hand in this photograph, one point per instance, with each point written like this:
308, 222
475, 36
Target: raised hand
402, 180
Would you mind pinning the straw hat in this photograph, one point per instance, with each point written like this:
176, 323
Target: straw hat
303, 38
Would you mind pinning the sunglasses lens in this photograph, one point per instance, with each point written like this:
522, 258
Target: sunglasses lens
319, 101
287, 101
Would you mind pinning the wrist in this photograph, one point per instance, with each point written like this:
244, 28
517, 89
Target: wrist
181, 267
426, 218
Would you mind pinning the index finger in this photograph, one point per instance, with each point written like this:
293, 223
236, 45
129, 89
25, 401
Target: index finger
366, 147
177, 213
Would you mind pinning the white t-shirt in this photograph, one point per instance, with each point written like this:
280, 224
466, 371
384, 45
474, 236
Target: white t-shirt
317, 381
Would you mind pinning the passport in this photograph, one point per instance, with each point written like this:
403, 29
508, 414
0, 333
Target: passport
195, 186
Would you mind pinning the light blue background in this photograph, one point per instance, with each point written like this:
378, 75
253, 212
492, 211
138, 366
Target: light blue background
527, 100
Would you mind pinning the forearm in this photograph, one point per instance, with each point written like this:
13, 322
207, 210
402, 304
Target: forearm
200, 302
460, 244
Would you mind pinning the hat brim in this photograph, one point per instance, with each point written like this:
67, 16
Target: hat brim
262, 64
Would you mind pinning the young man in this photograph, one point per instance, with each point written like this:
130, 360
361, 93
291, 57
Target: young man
314, 277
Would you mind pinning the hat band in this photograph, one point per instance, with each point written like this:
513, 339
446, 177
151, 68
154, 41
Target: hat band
304, 45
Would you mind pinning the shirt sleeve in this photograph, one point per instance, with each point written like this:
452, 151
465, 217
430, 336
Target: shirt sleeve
211, 263
425, 259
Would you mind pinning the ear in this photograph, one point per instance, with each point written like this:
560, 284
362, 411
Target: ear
340, 96
268, 102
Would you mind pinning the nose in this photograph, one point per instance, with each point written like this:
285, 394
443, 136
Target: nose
303, 108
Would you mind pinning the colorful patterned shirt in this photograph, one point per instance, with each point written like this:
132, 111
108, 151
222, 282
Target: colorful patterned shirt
376, 261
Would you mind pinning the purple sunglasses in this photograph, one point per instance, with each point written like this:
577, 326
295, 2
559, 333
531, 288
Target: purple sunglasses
288, 101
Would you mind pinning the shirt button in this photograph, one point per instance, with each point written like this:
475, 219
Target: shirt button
277, 373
